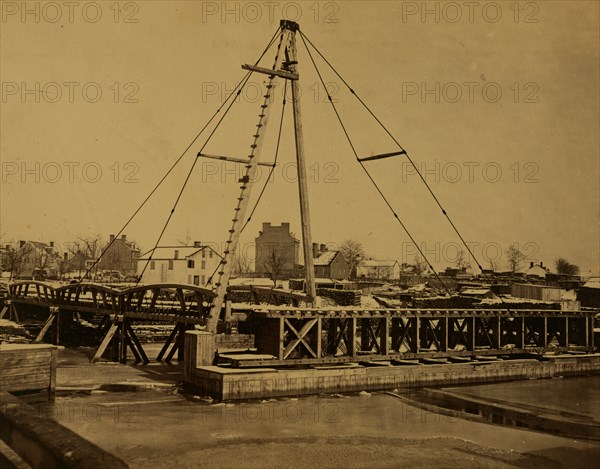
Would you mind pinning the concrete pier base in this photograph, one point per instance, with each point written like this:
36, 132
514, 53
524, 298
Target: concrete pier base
225, 383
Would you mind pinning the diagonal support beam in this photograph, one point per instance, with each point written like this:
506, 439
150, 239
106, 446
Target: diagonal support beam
233, 160
272, 73
51, 318
135, 343
382, 156
300, 338
114, 327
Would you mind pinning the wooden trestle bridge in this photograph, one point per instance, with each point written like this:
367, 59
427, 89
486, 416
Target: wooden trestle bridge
308, 336
183, 306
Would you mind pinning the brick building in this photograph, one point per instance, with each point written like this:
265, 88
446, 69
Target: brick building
122, 255
276, 242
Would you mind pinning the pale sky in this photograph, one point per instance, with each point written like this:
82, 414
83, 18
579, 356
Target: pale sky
519, 167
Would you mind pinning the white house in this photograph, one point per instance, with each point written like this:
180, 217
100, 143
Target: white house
378, 269
193, 265
536, 271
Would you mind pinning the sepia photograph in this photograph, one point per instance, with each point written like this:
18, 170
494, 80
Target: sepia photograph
301, 234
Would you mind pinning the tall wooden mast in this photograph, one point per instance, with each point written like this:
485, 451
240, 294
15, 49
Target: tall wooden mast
284, 66
292, 65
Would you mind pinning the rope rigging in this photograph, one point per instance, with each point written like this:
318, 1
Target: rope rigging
403, 151
360, 161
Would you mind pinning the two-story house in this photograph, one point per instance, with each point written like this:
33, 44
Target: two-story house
120, 254
193, 265
31, 258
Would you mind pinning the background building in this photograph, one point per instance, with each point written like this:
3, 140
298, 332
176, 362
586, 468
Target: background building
330, 264
191, 265
378, 269
276, 245
122, 255
30, 259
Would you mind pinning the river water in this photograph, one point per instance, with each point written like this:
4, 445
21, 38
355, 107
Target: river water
580, 395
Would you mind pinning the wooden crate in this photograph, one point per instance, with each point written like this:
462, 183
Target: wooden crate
28, 368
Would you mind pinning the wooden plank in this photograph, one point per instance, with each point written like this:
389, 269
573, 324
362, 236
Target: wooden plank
270, 72
231, 159
136, 343
281, 336
319, 338
107, 338
520, 332
14, 314
123, 342
155, 293
385, 335
170, 339
174, 349
382, 155
181, 299
26, 382
444, 333
53, 364
24, 359
497, 334
27, 369
47, 324
129, 343
352, 349
299, 337
416, 335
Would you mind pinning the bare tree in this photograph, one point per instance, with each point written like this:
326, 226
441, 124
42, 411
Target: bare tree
462, 261
12, 259
242, 264
564, 267
43, 259
420, 265
64, 266
185, 241
515, 257
275, 264
353, 253
82, 250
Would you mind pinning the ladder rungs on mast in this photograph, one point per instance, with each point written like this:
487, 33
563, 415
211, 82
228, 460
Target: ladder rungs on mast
383, 155
232, 160
271, 72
